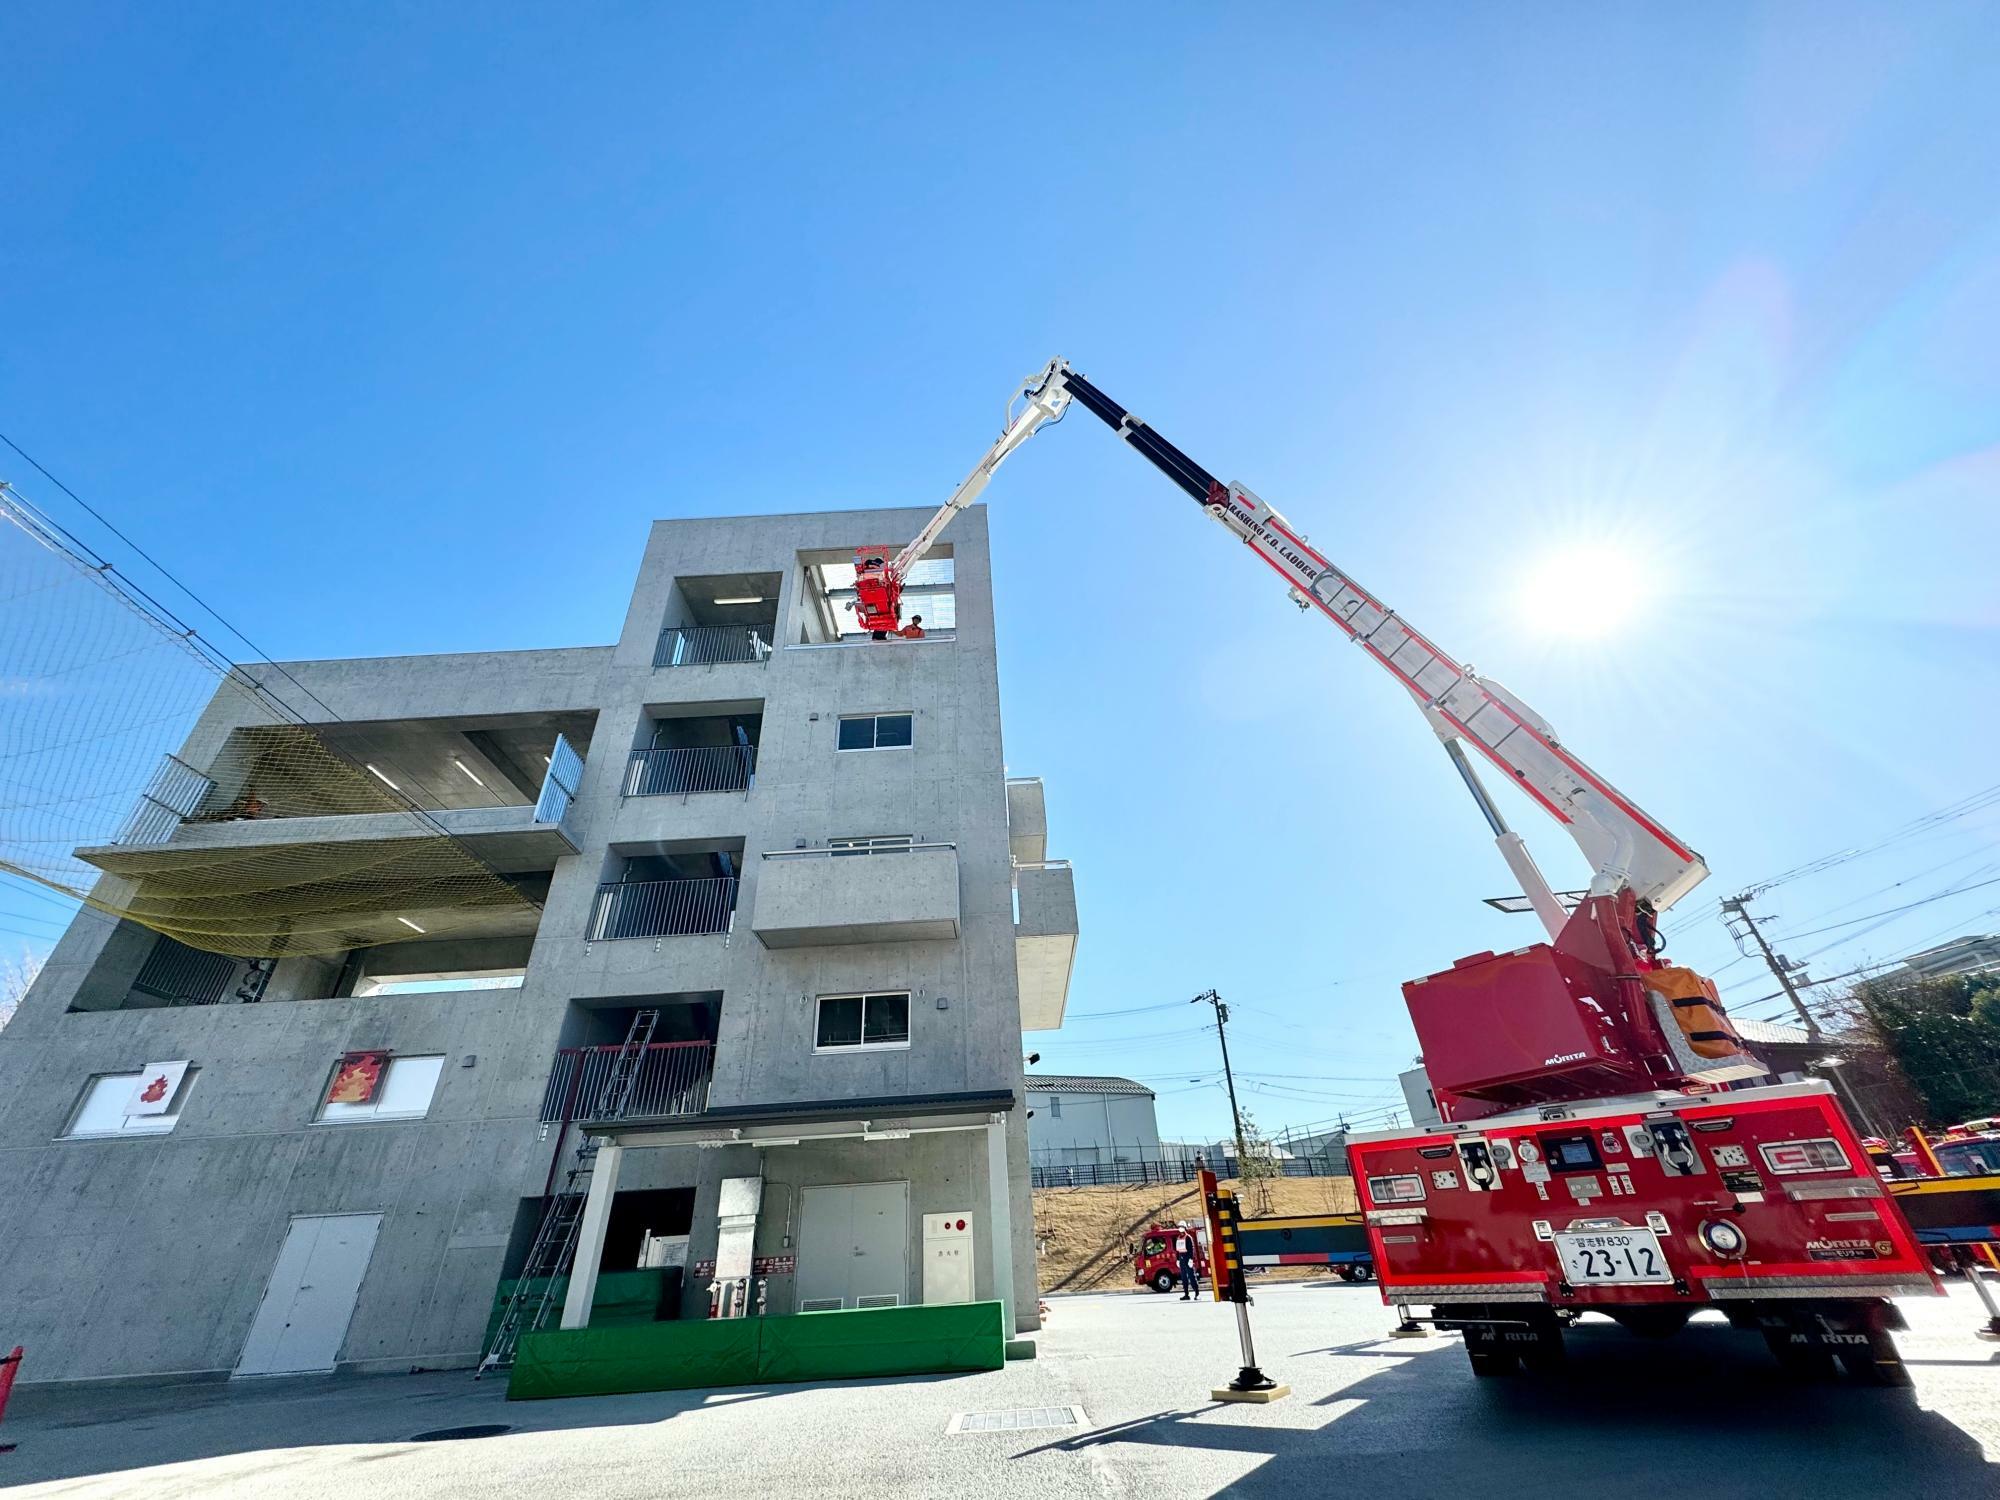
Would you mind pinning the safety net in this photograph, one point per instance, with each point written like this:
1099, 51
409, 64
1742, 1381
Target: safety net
146, 773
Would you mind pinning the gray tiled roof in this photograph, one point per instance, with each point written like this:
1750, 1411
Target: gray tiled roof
1083, 1083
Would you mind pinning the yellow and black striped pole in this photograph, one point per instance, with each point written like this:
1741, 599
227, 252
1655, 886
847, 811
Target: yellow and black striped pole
1226, 1277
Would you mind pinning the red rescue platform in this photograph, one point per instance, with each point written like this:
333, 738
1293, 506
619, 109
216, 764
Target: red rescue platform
878, 591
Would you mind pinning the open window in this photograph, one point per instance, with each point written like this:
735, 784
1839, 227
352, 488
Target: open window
929, 594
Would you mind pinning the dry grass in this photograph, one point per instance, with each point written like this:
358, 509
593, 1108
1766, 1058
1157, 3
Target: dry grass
1084, 1233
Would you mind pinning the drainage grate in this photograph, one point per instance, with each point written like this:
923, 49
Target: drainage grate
448, 1434
1020, 1420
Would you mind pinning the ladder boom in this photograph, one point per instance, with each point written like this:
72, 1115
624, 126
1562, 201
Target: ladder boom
1626, 848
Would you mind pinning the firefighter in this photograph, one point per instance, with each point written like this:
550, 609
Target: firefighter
1184, 1248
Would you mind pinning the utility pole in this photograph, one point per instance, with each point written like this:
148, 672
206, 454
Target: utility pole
1738, 906
1782, 971
1222, 1035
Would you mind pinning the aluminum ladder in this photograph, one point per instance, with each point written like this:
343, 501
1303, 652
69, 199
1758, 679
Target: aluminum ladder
554, 1248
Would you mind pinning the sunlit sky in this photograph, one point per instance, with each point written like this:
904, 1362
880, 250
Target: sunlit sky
1646, 358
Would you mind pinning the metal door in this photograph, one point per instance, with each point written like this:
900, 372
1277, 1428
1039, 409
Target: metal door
854, 1242
310, 1297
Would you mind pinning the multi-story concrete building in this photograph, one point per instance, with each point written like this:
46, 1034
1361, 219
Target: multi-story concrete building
790, 871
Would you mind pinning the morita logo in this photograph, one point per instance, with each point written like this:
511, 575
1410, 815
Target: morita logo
1563, 1057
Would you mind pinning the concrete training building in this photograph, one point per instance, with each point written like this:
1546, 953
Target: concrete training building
790, 868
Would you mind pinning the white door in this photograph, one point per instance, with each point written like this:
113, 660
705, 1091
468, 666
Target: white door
854, 1246
310, 1298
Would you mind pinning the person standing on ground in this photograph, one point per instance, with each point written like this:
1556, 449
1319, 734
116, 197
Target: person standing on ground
1184, 1248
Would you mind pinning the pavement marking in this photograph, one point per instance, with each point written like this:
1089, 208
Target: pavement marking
1022, 1419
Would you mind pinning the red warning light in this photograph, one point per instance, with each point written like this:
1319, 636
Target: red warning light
961, 1223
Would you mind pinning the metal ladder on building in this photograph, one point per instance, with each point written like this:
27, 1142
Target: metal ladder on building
554, 1248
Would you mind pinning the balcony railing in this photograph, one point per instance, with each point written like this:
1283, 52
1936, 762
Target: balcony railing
708, 645
679, 773
662, 1078
662, 908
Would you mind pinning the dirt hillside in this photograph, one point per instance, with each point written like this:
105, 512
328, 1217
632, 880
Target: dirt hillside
1083, 1233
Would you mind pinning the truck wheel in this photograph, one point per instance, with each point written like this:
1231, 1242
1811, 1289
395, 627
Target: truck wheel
1652, 1322
1487, 1363
1363, 1271
1345, 1273
1163, 1281
1799, 1361
1878, 1364
1546, 1355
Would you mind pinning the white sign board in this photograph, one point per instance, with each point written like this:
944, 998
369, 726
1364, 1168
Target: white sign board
154, 1093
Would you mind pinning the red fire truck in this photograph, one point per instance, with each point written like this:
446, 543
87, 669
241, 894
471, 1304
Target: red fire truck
1601, 1151
1154, 1262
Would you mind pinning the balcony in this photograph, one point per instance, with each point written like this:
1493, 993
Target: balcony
1045, 929
659, 1079
662, 908
682, 773
808, 898
710, 645
1027, 820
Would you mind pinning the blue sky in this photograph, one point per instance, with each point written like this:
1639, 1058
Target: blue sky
390, 330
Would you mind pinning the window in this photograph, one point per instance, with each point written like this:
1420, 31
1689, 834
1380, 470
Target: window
874, 732
1055, 1106
106, 1098
863, 1021
884, 843
403, 1094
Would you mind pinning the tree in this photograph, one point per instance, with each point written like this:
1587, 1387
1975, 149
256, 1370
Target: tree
1257, 1164
1939, 1036
16, 974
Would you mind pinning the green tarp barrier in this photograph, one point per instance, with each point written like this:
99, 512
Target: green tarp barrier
883, 1341
743, 1351
622, 1297
639, 1357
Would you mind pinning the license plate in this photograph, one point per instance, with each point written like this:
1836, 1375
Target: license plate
1612, 1257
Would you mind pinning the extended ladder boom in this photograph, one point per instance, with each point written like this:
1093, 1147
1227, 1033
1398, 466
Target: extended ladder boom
1625, 847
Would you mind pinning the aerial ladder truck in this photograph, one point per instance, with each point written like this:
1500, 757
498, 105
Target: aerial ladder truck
1603, 1149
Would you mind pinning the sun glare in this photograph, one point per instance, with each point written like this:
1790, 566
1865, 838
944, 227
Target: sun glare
1584, 591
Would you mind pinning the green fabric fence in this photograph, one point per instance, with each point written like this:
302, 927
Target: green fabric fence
602, 1361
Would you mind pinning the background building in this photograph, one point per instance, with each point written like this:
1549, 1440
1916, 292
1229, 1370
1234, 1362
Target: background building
759, 914
1082, 1120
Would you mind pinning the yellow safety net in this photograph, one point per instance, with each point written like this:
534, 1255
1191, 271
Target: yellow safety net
146, 775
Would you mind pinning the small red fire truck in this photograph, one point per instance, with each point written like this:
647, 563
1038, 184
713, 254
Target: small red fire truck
1154, 1262
1603, 1150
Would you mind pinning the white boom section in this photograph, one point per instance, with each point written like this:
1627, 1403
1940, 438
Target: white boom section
1624, 845
1041, 399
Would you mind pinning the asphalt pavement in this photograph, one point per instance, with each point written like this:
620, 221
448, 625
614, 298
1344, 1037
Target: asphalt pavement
1704, 1416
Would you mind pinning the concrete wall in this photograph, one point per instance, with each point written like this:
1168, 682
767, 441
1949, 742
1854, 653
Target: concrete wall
144, 1255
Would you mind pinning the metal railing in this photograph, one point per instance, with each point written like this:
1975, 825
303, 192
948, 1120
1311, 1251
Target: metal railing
662, 908
671, 1078
678, 773
170, 798
708, 645
1167, 1169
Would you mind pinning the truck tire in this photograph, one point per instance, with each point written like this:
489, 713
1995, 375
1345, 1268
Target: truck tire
1652, 1322
1363, 1271
1163, 1281
1487, 1363
1345, 1273
1799, 1361
1878, 1364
